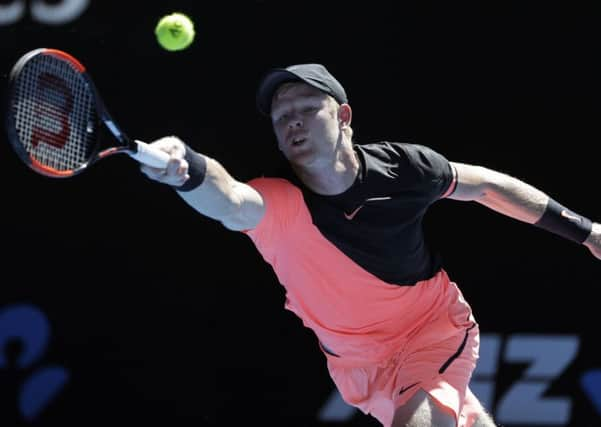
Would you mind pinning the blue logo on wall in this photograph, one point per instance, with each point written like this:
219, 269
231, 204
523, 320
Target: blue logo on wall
28, 327
591, 384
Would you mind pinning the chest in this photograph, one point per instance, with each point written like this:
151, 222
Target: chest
368, 213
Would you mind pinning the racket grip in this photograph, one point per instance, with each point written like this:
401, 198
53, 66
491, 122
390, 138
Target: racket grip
150, 156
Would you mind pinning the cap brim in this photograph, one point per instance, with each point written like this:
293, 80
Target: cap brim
270, 84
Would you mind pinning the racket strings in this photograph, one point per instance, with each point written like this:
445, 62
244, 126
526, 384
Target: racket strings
54, 113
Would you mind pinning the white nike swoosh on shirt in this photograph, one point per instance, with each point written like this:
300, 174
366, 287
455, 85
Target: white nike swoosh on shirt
351, 215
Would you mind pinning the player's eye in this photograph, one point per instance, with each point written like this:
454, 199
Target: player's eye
282, 118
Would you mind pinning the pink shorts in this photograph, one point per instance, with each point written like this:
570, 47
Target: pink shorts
442, 369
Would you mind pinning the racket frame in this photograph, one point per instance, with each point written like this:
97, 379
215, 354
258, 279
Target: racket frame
125, 144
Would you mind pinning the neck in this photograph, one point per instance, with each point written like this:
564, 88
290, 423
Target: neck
334, 177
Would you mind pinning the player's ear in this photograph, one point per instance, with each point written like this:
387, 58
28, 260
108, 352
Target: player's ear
345, 115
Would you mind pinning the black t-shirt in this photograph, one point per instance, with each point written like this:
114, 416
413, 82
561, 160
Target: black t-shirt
377, 222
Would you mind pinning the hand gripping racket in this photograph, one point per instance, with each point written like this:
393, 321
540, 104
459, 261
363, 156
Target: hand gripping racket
54, 116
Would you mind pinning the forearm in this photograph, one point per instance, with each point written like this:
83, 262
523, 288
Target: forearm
216, 196
521, 201
514, 198
206, 186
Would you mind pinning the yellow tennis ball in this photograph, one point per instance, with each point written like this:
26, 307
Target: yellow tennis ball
175, 31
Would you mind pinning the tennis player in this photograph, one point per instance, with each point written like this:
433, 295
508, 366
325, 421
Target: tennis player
344, 237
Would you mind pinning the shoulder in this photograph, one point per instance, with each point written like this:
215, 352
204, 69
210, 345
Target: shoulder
271, 182
387, 150
403, 154
283, 202
383, 150
274, 188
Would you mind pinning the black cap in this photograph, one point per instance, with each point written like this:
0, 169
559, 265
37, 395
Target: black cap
315, 75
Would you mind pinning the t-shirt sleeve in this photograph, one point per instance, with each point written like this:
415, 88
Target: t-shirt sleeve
429, 171
282, 201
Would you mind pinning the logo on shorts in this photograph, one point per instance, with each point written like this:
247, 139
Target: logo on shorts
404, 389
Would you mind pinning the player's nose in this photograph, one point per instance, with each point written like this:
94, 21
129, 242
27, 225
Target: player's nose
295, 122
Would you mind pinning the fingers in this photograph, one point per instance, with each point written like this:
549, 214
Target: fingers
171, 145
176, 172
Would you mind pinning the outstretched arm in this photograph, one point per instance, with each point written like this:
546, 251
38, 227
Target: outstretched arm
206, 186
514, 198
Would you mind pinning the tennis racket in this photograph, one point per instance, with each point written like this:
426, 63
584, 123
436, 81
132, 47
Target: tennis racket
54, 116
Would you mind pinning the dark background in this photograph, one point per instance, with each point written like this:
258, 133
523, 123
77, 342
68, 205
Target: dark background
159, 314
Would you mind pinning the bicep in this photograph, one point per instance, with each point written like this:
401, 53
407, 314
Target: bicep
472, 181
250, 208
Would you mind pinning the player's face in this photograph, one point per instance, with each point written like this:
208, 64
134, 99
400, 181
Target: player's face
305, 121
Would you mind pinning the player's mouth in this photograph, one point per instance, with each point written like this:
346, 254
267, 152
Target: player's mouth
297, 142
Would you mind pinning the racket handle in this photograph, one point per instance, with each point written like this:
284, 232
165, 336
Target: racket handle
150, 156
